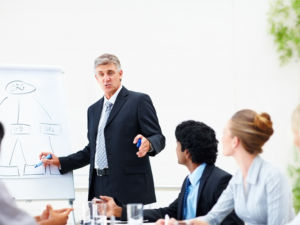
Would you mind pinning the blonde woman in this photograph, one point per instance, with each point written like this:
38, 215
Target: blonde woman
296, 131
258, 192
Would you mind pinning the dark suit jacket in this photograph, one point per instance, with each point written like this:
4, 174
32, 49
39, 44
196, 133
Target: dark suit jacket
212, 183
130, 178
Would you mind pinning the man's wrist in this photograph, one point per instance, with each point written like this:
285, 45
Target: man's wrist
118, 212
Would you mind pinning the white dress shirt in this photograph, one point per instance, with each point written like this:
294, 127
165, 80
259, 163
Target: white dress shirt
10, 214
266, 201
111, 100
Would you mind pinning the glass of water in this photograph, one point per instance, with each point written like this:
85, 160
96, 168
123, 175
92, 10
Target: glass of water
135, 213
87, 213
99, 212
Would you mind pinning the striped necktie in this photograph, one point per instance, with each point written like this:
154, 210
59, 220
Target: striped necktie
101, 157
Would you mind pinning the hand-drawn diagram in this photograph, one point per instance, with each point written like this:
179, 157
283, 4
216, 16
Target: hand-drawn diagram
17, 163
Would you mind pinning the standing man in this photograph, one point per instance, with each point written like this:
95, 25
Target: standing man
197, 149
116, 123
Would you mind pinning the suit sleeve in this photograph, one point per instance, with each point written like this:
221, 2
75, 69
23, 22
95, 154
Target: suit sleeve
153, 215
149, 125
75, 160
78, 159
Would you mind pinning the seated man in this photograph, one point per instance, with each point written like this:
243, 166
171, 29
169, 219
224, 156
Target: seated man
12, 215
197, 150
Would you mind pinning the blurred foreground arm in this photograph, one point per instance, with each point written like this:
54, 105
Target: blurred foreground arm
53, 217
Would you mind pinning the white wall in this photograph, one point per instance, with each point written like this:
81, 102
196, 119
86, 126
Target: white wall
199, 60
260, 83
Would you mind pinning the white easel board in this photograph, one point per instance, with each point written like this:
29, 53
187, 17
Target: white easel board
33, 112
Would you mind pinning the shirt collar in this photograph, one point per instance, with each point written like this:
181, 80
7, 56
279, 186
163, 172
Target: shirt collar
114, 97
254, 170
252, 173
195, 176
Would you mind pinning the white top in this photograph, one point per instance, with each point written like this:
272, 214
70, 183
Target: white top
9, 212
111, 100
295, 221
267, 200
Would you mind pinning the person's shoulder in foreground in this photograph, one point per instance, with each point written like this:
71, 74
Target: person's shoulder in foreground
12, 215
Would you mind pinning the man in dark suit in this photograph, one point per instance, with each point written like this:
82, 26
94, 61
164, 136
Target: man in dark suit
197, 150
115, 124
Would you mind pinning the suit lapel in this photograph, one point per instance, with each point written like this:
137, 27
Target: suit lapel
206, 173
121, 99
97, 115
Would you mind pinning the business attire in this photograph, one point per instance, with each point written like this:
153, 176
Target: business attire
266, 201
9, 212
212, 182
128, 178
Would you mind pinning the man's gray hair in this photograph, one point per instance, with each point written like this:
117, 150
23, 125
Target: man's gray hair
106, 59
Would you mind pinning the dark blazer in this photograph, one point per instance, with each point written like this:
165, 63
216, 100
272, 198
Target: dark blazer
130, 178
212, 183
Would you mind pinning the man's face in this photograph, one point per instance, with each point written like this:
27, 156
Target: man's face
109, 78
180, 155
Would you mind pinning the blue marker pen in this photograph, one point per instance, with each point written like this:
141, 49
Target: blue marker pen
41, 163
138, 144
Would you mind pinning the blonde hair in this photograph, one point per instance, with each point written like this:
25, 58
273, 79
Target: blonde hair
296, 119
252, 129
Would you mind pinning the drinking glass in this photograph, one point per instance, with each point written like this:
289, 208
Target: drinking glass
99, 212
87, 213
135, 213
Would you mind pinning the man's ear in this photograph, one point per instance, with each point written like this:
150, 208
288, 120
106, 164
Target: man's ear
121, 74
186, 153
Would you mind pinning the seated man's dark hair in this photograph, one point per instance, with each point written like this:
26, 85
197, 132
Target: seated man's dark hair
1, 132
200, 141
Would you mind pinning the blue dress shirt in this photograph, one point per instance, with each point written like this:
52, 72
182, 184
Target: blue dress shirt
193, 189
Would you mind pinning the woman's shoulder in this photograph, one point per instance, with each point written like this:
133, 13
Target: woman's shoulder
271, 173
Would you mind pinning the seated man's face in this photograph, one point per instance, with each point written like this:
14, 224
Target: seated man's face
297, 139
180, 155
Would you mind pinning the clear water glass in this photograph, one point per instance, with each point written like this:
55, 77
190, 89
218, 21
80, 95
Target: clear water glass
99, 212
135, 213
